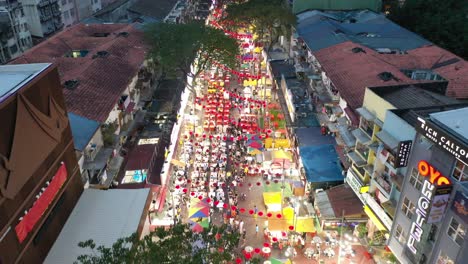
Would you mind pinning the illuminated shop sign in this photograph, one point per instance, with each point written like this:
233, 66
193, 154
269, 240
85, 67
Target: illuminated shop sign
443, 139
435, 184
404, 149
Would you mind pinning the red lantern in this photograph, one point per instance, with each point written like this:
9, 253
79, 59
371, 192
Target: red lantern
291, 228
279, 216
269, 214
251, 211
260, 213
208, 200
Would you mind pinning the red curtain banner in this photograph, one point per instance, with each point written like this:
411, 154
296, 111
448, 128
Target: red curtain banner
40, 206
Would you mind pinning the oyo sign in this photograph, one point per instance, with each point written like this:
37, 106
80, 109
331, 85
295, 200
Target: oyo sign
435, 177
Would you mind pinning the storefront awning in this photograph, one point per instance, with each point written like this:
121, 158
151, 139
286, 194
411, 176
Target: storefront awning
374, 218
305, 225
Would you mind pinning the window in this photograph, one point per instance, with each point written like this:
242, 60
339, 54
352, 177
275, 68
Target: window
72, 12
416, 179
367, 127
64, 2
400, 235
363, 150
444, 259
460, 173
407, 208
456, 231
66, 15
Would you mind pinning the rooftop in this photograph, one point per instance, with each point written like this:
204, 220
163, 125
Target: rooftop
454, 120
344, 201
150, 9
83, 130
103, 216
411, 96
140, 157
101, 80
302, 5
376, 69
13, 77
411, 115
323, 29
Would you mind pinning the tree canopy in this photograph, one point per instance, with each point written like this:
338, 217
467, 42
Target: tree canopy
178, 244
445, 23
271, 18
174, 47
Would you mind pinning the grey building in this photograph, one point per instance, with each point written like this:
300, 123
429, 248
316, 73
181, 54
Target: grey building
44, 17
14, 33
431, 216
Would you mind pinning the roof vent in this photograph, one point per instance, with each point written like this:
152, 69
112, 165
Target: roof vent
357, 50
123, 34
386, 76
100, 34
71, 84
101, 54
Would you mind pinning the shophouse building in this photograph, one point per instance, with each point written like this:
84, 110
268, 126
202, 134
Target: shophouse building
15, 37
39, 174
44, 17
328, 45
430, 219
69, 12
103, 73
379, 158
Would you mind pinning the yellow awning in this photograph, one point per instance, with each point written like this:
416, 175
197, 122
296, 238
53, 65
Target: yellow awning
374, 218
272, 197
281, 154
305, 225
178, 163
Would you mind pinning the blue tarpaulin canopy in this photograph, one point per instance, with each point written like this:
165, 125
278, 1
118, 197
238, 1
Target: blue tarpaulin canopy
321, 163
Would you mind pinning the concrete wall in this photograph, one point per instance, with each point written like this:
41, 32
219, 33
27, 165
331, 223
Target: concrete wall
376, 104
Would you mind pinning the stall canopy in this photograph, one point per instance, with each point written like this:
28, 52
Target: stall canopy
321, 164
104, 216
276, 187
275, 224
305, 225
282, 154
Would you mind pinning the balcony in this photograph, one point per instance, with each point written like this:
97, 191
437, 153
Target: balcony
390, 207
361, 136
356, 158
382, 181
378, 210
44, 18
43, 3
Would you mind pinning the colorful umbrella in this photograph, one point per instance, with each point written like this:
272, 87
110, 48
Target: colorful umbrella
255, 151
198, 226
255, 144
199, 212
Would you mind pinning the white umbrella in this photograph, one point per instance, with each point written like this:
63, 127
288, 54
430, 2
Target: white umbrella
317, 239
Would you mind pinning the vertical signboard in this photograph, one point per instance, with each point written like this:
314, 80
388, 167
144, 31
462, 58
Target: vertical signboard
439, 204
404, 149
434, 184
460, 206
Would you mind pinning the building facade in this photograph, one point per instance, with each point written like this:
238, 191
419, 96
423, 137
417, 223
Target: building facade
431, 215
39, 174
44, 17
15, 37
69, 12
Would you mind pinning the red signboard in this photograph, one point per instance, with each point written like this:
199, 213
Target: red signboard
42, 203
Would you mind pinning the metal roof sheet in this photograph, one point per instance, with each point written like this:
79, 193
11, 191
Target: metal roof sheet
103, 216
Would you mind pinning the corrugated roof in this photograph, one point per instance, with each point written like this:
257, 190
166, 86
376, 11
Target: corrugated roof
83, 130
343, 200
410, 96
149, 8
140, 157
302, 5
324, 29
101, 80
103, 216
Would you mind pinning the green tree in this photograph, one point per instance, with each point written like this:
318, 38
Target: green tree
178, 244
445, 23
269, 18
174, 47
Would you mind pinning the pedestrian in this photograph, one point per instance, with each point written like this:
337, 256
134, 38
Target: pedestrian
255, 211
256, 229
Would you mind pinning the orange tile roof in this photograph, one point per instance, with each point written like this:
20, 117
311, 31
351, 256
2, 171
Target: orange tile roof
352, 72
101, 80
